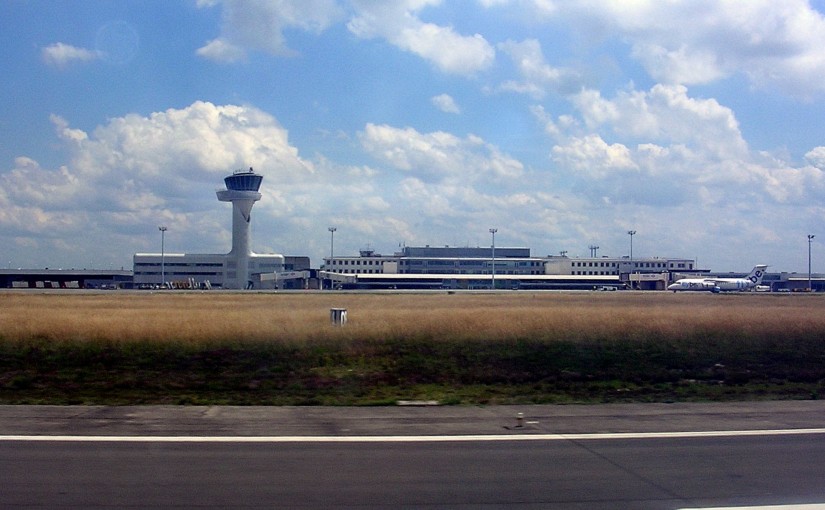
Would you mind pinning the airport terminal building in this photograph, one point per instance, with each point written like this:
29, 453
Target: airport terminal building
511, 268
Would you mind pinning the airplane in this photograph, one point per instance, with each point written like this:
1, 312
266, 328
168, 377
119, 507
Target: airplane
753, 280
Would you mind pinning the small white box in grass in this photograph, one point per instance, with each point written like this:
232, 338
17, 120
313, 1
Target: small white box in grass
338, 316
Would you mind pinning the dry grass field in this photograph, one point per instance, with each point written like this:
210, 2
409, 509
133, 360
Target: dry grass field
280, 348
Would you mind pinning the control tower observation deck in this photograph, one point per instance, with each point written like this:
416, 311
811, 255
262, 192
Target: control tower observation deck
242, 190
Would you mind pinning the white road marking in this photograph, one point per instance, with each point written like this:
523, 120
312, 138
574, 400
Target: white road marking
406, 439
814, 506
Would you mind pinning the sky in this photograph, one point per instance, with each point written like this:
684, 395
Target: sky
699, 124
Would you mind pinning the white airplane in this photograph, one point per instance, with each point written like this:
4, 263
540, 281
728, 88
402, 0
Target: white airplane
753, 280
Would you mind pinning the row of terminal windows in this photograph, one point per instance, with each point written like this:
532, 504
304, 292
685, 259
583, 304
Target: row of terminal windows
480, 262
474, 263
499, 263
356, 262
172, 273
421, 271
179, 264
660, 265
358, 271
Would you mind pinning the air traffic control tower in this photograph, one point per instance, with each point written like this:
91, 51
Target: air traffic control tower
242, 190
238, 269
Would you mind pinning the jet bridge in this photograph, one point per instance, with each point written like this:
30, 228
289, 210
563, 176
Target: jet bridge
285, 280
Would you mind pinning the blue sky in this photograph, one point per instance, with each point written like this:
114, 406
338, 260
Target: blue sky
697, 124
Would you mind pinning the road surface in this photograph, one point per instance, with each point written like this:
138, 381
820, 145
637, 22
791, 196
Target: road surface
654, 456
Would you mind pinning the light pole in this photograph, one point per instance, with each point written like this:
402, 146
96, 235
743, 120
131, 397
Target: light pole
631, 233
810, 239
331, 242
331, 250
493, 232
163, 230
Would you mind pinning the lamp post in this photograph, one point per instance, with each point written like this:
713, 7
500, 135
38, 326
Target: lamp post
631, 233
331, 242
810, 239
331, 251
493, 232
163, 230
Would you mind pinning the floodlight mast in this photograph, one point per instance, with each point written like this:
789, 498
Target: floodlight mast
493, 279
810, 240
331, 252
331, 242
163, 230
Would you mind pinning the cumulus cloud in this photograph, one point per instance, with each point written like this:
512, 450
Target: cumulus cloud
135, 171
663, 147
398, 23
197, 142
816, 157
593, 155
221, 50
538, 77
61, 55
776, 45
260, 24
665, 113
445, 103
439, 155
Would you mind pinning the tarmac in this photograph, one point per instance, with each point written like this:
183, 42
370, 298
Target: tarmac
412, 419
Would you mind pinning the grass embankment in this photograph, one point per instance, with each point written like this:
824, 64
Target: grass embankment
222, 348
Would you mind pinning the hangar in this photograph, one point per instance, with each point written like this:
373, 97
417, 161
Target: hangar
65, 278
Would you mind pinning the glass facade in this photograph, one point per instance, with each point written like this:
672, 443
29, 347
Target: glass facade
243, 181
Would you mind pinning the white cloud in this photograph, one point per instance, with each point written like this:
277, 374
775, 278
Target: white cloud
398, 23
445, 103
665, 148
777, 45
61, 55
260, 24
816, 157
666, 113
221, 51
197, 142
537, 76
438, 156
593, 155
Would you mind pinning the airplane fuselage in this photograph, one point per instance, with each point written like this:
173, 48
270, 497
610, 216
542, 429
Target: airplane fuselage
694, 284
753, 280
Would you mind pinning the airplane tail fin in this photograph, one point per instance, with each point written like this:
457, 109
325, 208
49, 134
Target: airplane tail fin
756, 274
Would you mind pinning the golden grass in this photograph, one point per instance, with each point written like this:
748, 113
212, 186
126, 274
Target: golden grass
304, 317
519, 347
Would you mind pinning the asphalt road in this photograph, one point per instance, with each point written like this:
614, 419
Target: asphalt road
564, 457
